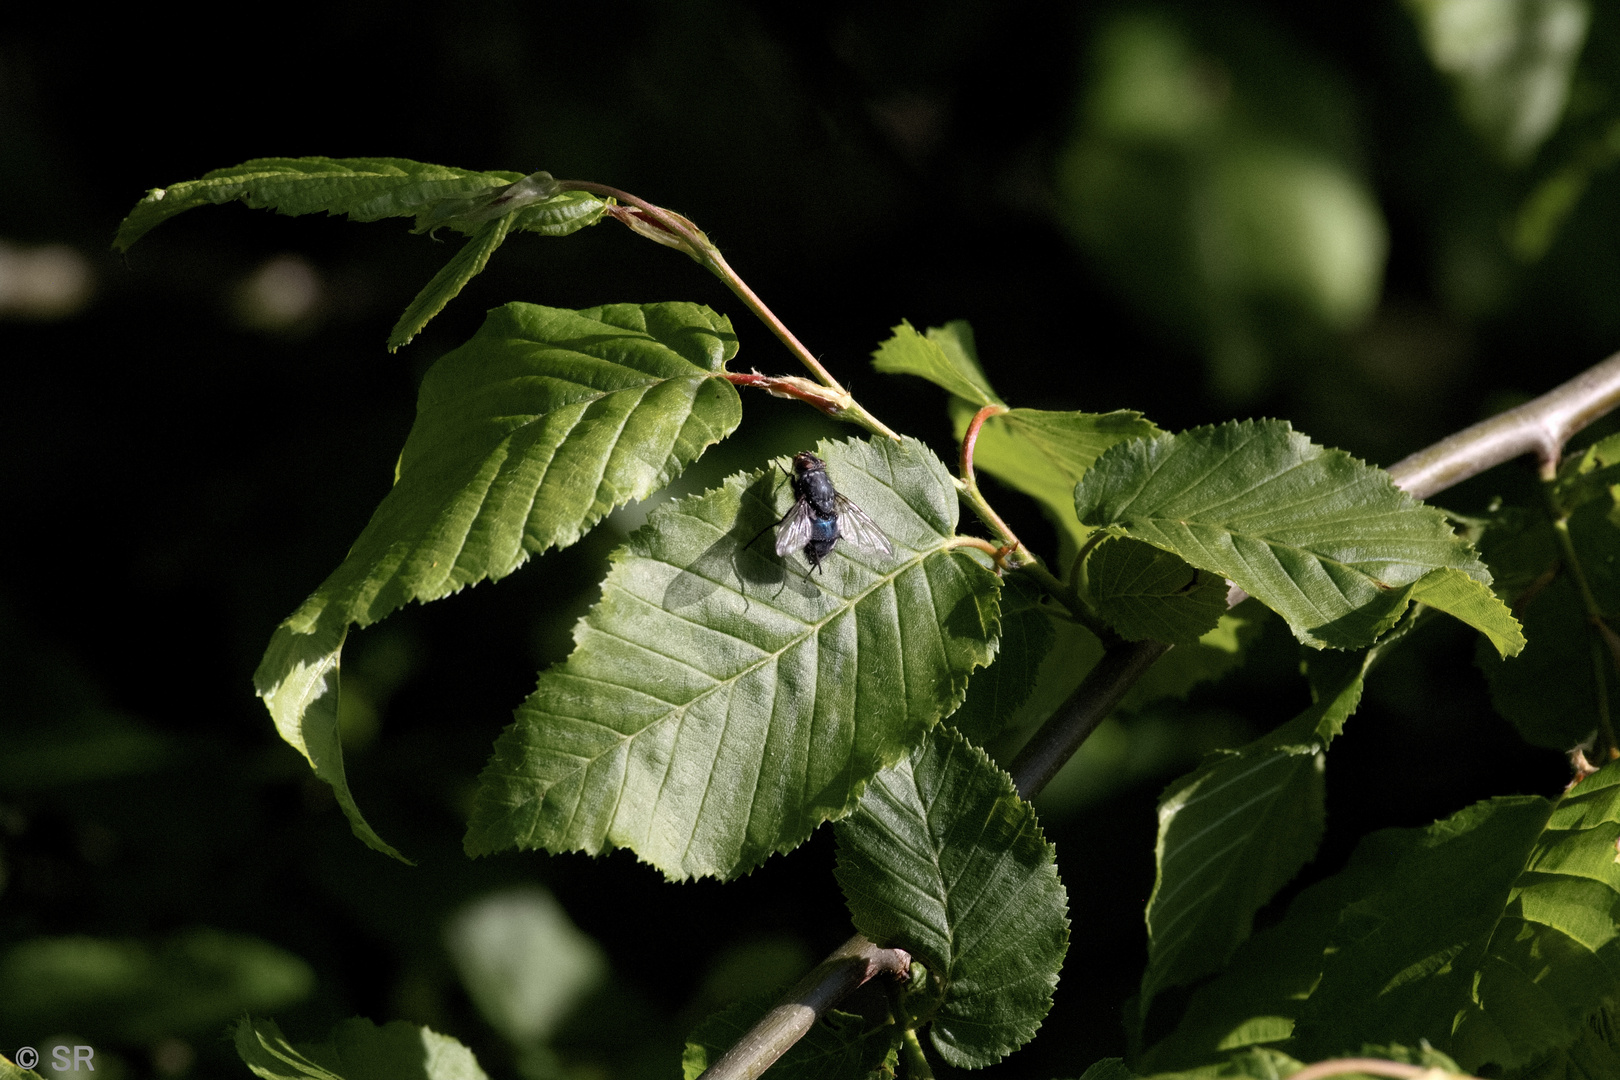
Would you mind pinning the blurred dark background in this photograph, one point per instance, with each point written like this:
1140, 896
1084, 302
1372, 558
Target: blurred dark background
1381, 221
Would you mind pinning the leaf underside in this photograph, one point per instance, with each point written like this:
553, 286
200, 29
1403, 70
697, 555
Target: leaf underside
943, 858
525, 437
720, 702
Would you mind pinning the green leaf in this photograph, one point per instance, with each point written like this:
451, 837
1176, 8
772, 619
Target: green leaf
1322, 539
841, 1046
1232, 833
1492, 934
465, 265
708, 656
525, 437
357, 1049
1044, 454
10, 1070
942, 858
134, 991
1471, 601
1145, 592
945, 357
1554, 691
1595, 1055
366, 189
996, 693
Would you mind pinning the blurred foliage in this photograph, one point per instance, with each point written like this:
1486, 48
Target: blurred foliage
1378, 221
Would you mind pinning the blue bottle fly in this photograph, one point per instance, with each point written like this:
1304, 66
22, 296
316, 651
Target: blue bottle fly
820, 517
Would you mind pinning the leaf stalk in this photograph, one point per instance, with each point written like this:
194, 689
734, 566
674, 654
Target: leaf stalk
672, 230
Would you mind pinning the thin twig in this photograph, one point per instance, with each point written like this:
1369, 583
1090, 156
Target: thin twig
1539, 427
1098, 693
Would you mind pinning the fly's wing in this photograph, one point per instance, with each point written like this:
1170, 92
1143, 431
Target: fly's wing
857, 528
794, 531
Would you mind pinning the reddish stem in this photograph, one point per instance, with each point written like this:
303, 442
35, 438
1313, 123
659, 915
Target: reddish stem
970, 438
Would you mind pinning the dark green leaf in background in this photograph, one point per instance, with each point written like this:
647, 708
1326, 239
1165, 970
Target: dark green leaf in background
187, 986
1147, 593
357, 1049
709, 657
1324, 540
997, 692
840, 1046
1510, 63
942, 858
1554, 692
1235, 831
1499, 925
525, 437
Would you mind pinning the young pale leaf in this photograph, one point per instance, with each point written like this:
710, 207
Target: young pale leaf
942, 858
525, 437
357, 1049
997, 692
1145, 592
463, 266
366, 189
720, 702
841, 1046
1044, 454
945, 357
1232, 833
1324, 540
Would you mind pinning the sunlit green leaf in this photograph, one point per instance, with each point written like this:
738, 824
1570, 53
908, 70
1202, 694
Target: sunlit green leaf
525, 437
463, 266
841, 1046
1147, 593
357, 1049
1322, 539
1235, 831
1471, 601
1044, 454
188, 985
708, 656
366, 189
945, 356
942, 858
